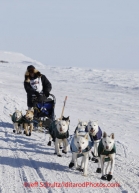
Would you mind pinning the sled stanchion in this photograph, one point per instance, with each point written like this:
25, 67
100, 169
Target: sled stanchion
63, 107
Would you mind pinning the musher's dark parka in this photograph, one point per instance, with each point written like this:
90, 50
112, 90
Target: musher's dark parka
45, 84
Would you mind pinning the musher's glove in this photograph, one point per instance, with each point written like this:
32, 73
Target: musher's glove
37, 94
46, 94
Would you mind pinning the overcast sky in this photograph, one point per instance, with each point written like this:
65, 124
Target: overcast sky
92, 33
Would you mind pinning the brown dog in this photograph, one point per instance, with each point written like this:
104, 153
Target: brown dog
28, 121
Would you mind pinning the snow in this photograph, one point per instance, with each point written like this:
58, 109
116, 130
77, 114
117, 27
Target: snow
109, 96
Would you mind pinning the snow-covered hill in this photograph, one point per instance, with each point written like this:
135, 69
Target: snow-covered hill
111, 97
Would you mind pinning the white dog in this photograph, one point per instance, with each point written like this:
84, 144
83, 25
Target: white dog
95, 135
81, 126
81, 146
107, 151
59, 132
81, 129
50, 130
17, 119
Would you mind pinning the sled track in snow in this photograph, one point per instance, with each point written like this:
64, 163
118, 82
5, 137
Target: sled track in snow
29, 174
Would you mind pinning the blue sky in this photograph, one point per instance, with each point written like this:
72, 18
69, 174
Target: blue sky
91, 33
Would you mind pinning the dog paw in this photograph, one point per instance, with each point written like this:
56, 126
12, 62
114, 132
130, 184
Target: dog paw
13, 131
96, 161
71, 164
93, 159
104, 177
98, 170
60, 147
64, 152
80, 169
109, 177
49, 143
25, 132
59, 155
29, 134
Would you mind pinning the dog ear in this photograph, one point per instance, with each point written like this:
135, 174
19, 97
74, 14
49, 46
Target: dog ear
104, 134
76, 134
96, 122
32, 110
86, 136
112, 135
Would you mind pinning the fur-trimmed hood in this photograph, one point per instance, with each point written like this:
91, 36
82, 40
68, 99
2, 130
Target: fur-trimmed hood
36, 72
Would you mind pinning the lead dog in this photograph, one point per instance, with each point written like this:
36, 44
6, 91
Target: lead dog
106, 152
81, 130
17, 119
95, 135
81, 146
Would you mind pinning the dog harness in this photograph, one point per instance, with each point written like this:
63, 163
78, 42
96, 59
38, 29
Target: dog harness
98, 135
102, 151
73, 148
25, 120
55, 134
19, 121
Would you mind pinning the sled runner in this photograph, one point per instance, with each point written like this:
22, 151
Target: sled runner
43, 112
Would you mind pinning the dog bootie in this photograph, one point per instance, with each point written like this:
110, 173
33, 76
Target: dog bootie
59, 155
80, 169
49, 143
96, 161
104, 177
14, 131
98, 170
60, 147
29, 134
64, 151
71, 164
109, 177
25, 132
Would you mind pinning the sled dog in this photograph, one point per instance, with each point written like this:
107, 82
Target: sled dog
28, 121
95, 135
50, 137
81, 146
106, 152
17, 119
81, 126
59, 132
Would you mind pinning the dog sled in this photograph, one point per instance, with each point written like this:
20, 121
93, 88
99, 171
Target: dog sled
44, 112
